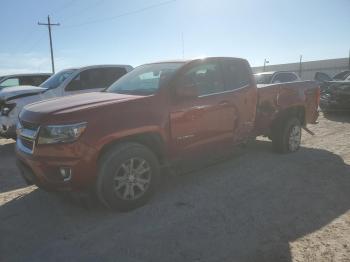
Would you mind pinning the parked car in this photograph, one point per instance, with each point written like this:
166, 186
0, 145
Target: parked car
342, 75
23, 80
67, 82
276, 77
336, 97
114, 142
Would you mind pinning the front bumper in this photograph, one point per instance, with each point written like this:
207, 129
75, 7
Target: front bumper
7, 127
43, 168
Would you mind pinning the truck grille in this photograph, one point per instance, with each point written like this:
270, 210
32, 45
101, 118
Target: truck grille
27, 135
29, 125
29, 144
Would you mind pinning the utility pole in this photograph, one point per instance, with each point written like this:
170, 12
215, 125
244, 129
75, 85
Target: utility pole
48, 24
349, 59
300, 65
265, 62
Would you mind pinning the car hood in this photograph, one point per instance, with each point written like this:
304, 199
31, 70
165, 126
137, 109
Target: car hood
19, 91
80, 102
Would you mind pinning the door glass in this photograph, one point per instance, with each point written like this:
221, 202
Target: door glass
284, 77
96, 78
322, 77
206, 77
237, 74
10, 82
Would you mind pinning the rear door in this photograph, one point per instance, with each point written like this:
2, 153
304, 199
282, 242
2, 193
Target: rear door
92, 80
208, 120
241, 93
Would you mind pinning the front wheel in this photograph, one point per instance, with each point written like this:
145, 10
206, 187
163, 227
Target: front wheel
286, 135
128, 176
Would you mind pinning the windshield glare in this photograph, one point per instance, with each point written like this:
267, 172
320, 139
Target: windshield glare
263, 78
57, 79
144, 80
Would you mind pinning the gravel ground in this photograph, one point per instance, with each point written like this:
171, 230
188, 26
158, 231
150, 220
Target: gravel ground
253, 206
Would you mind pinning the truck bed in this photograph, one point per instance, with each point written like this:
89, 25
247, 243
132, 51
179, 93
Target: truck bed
275, 98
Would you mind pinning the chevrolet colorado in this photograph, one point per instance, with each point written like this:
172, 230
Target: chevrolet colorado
114, 142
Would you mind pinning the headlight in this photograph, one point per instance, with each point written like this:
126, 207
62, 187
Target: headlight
6, 109
61, 133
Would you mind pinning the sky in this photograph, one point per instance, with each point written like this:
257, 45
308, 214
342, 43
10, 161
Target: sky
141, 31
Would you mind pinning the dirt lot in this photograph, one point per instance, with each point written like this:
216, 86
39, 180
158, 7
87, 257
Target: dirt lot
254, 206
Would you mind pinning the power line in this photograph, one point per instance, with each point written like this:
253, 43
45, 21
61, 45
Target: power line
49, 24
122, 15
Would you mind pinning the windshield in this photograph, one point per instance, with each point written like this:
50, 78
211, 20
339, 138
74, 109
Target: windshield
263, 78
144, 80
57, 79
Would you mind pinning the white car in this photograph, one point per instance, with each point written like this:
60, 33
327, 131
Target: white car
275, 77
64, 83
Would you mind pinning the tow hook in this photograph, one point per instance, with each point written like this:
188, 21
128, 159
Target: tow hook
308, 130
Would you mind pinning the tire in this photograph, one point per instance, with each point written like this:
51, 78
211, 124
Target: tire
120, 189
286, 135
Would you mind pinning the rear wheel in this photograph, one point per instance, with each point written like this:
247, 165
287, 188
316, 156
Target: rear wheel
128, 176
286, 135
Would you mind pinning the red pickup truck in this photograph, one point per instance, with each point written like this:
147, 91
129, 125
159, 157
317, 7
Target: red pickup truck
114, 142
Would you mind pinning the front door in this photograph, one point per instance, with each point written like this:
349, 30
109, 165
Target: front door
207, 121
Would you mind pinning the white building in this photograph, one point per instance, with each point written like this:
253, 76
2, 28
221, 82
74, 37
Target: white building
308, 69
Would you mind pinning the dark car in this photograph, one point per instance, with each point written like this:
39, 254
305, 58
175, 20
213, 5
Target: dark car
342, 75
336, 97
23, 80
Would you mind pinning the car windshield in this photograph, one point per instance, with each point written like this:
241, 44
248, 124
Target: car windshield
144, 80
263, 78
57, 79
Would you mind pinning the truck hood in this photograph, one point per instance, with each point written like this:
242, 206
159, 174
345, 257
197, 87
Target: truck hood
19, 91
75, 103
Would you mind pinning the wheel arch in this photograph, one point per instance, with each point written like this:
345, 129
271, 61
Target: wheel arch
295, 111
152, 140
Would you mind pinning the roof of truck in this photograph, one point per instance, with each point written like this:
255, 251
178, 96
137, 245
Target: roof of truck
194, 59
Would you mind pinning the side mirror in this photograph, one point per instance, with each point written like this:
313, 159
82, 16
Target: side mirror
187, 91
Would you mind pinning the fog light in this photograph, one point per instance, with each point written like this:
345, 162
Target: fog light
66, 173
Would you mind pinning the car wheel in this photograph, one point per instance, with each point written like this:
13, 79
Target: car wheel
286, 137
128, 176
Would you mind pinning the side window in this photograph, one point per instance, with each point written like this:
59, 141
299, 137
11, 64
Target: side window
207, 77
28, 81
111, 75
95, 78
10, 82
237, 74
322, 77
284, 77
